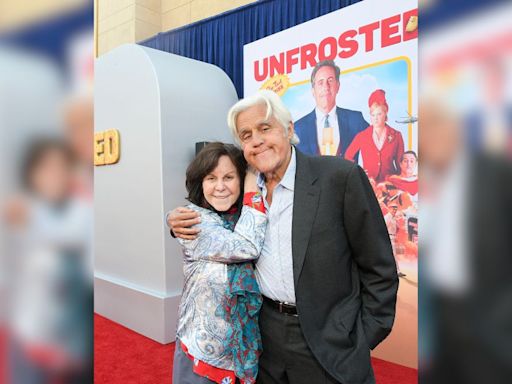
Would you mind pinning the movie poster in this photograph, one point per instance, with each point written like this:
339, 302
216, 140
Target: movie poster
349, 79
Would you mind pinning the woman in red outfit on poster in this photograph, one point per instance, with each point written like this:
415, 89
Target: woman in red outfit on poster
380, 145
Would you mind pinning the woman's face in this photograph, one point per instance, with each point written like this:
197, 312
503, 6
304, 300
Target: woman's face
51, 177
221, 187
378, 115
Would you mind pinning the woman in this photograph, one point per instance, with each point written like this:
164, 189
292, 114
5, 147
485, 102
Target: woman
218, 337
381, 146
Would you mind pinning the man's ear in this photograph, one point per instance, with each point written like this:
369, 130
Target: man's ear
291, 130
339, 86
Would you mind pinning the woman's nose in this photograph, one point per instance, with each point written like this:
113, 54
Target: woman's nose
219, 185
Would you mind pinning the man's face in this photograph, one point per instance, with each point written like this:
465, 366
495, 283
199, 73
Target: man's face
265, 144
393, 209
325, 88
408, 165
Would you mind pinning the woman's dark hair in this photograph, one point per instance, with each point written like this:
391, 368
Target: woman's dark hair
37, 151
205, 162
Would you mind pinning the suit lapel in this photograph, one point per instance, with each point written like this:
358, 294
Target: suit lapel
305, 202
313, 138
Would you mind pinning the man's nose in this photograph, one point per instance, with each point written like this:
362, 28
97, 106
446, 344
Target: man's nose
256, 139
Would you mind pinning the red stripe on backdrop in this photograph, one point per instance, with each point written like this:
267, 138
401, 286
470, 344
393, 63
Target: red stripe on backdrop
124, 356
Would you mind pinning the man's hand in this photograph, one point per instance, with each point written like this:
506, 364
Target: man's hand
180, 220
250, 182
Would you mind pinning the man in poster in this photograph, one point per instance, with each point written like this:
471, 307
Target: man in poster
328, 129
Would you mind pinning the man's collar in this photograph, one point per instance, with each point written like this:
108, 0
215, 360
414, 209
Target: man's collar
288, 180
321, 115
260, 181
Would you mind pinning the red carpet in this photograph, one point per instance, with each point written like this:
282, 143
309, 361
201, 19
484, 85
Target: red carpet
123, 356
390, 373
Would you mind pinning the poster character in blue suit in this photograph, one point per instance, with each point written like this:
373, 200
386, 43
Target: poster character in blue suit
328, 129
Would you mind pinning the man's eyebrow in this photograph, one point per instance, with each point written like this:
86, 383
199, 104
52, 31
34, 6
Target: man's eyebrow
241, 131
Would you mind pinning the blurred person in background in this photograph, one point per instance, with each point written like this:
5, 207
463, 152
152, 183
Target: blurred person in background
50, 307
465, 291
489, 127
46, 52
465, 317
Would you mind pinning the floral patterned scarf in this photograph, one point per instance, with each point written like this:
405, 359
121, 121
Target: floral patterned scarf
241, 310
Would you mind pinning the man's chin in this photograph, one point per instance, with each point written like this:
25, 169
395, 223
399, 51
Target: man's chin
265, 169
328, 105
260, 165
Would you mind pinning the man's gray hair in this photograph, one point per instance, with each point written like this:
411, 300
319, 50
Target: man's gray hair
275, 107
325, 63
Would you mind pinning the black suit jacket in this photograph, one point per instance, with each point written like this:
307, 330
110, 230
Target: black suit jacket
343, 266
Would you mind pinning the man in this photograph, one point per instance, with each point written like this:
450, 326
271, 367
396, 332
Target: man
327, 271
395, 222
408, 164
407, 180
328, 129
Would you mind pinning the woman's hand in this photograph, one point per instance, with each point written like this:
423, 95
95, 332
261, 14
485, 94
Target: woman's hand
16, 212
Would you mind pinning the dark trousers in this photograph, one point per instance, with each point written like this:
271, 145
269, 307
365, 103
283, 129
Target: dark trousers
286, 357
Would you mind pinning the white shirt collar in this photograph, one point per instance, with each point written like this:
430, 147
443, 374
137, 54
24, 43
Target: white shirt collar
320, 116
